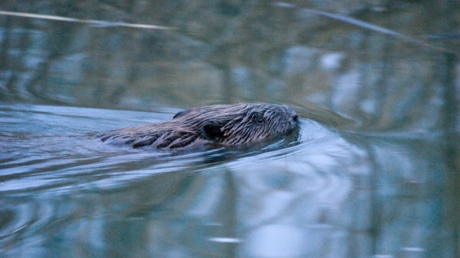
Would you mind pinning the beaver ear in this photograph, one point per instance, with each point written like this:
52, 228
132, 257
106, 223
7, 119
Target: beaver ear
178, 114
212, 132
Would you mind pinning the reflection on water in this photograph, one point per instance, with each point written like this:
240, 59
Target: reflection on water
326, 194
380, 179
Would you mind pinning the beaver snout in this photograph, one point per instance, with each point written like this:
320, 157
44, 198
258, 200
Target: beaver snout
295, 121
295, 118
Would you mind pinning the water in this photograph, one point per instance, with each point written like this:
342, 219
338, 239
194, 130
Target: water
63, 191
63, 188
373, 170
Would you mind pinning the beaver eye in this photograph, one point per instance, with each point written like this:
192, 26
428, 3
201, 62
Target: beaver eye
259, 119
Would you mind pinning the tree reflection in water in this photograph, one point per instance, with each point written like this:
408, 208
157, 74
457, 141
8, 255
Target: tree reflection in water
385, 183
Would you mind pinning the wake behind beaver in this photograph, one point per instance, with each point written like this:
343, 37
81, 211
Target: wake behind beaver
228, 125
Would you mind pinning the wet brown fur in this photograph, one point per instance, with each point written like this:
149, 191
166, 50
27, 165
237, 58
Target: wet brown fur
233, 124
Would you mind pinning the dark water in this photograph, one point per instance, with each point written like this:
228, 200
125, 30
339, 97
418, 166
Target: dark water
373, 170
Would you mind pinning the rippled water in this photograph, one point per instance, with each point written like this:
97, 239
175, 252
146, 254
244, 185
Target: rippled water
53, 168
379, 180
316, 193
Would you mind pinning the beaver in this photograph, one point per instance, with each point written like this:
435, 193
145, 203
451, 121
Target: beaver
228, 125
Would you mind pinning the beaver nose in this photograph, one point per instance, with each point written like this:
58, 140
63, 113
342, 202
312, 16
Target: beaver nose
295, 118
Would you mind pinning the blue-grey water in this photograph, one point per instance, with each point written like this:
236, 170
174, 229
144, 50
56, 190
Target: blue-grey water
373, 170
63, 191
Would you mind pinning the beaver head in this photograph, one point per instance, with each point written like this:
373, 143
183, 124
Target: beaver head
233, 124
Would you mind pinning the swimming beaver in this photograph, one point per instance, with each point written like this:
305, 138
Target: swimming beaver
232, 124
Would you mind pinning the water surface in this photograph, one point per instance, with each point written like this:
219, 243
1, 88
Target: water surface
63, 191
373, 170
